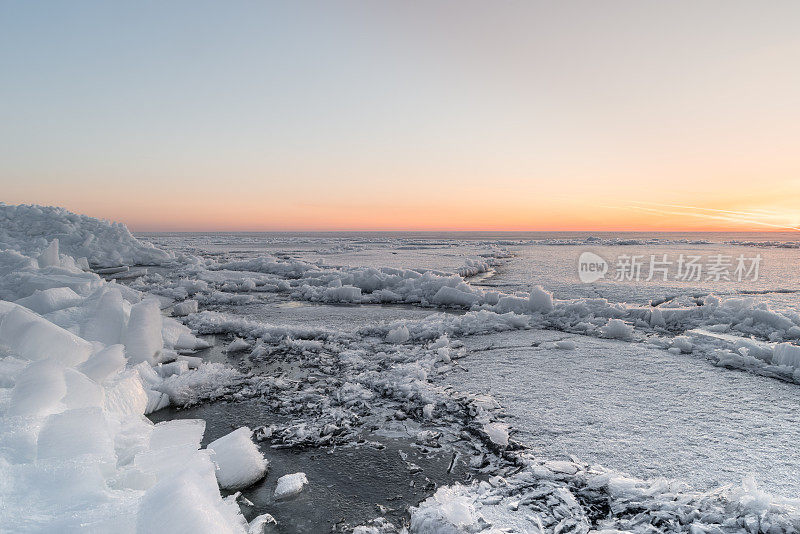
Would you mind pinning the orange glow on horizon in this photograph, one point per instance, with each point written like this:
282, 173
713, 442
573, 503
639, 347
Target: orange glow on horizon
633, 217
448, 202
540, 116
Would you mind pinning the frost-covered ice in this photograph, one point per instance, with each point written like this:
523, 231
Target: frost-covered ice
572, 497
398, 335
616, 328
497, 433
730, 330
82, 361
636, 409
290, 485
237, 345
340, 337
185, 308
42, 232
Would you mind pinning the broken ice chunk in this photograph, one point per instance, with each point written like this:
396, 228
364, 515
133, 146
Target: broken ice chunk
290, 485
497, 433
239, 461
259, 524
184, 308
49, 257
32, 337
126, 394
156, 401
540, 300
142, 336
617, 329
683, 344
50, 300
238, 344
106, 321
786, 354
398, 335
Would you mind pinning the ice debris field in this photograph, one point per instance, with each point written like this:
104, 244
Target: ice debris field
98, 329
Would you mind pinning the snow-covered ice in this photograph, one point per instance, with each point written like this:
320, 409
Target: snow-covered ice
237, 345
75, 448
31, 230
636, 409
290, 485
602, 389
398, 335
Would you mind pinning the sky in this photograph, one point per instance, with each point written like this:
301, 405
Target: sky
439, 115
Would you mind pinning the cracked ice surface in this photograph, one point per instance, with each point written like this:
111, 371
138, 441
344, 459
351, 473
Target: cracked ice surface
346, 341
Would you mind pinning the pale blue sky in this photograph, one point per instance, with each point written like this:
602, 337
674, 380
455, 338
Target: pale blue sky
294, 113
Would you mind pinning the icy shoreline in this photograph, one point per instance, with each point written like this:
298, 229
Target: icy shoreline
81, 362
83, 359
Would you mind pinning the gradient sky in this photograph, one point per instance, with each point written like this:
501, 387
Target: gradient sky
458, 115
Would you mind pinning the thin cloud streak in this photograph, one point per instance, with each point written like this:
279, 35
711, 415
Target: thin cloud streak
733, 212
716, 217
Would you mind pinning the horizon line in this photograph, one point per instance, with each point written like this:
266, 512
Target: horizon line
451, 231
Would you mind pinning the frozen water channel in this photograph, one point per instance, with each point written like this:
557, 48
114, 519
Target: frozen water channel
640, 410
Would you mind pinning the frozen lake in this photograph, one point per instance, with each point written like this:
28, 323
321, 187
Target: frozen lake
417, 380
641, 410
628, 405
